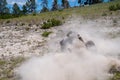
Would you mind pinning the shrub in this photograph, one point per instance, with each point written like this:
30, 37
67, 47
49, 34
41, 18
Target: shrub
8, 21
116, 76
63, 18
114, 7
46, 25
55, 22
115, 72
60, 10
46, 34
34, 14
51, 23
6, 16
7, 67
104, 14
118, 6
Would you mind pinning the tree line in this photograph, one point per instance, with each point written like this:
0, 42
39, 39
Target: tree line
31, 5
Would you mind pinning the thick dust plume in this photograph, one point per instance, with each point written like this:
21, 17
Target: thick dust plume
76, 62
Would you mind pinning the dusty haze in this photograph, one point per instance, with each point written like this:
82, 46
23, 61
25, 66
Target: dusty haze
77, 62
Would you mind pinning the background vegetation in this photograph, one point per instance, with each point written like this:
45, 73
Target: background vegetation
30, 7
49, 18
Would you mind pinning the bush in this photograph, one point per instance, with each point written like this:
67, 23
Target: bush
55, 22
60, 10
104, 14
6, 16
118, 6
46, 34
46, 25
34, 14
114, 7
51, 23
116, 76
8, 21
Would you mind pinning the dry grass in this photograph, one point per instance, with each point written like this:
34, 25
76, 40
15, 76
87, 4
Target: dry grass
94, 11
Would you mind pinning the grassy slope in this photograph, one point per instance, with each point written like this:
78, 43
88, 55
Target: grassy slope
93, 11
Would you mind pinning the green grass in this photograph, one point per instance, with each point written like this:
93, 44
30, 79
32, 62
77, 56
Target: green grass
116, 76
51, 23
46, 33
7, 67
94, 11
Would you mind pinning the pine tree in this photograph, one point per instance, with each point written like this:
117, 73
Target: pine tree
55, 5
24, 9
16, 9
45, 3
96, 1
44, 6
79, 1
65, 4
31, 6
44, 9
3, 4
6, 10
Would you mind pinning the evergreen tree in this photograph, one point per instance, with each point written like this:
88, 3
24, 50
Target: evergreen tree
60, 7
3, 7
45, 3
44, 6
44, 9
24, 9
31, 6
96, 1
55, 5
65, 4
6, 10
16, 9
79, 1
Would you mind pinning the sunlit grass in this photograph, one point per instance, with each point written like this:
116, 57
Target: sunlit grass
96, 10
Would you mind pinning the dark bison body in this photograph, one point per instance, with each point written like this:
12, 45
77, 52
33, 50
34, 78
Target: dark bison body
69, 39
65, 42
89, 44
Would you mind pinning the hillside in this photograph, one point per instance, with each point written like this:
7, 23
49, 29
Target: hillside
23, 37
92, 11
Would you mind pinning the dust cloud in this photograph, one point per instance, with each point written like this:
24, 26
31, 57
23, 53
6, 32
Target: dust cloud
76, 62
